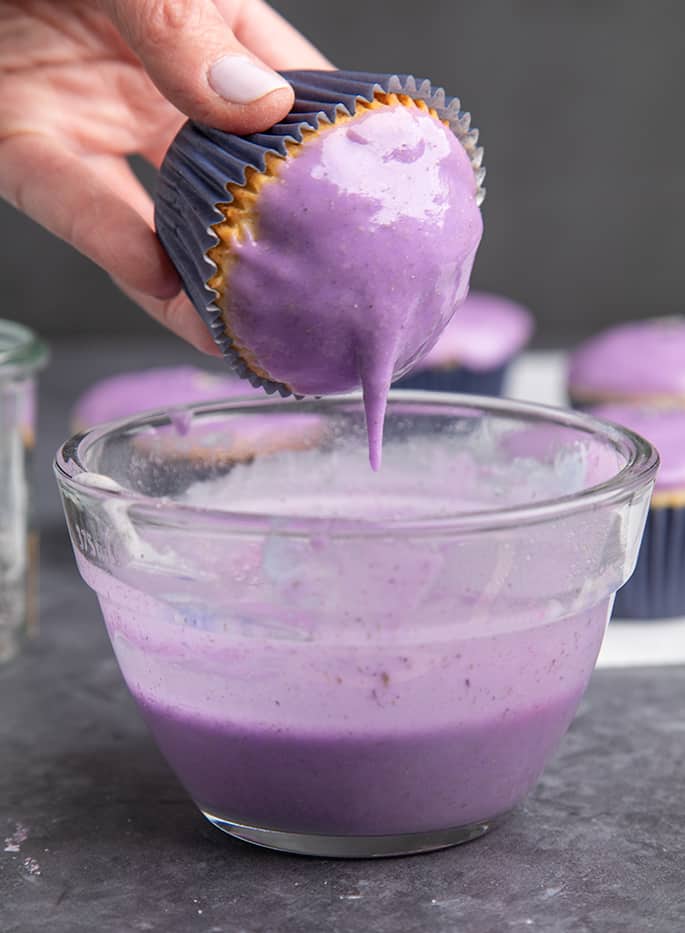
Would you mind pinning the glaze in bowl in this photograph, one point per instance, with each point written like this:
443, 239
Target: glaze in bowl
341, 663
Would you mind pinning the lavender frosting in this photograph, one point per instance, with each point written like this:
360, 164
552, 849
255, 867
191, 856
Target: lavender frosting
485, 333
361, 253
637, 361
664, 428
130, 393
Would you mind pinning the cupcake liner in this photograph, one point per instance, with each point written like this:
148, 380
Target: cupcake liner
457, 379
658, 403
202, 162
656, 589
590, 402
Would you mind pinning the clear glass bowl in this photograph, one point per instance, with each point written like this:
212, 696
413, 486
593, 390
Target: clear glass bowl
342, 663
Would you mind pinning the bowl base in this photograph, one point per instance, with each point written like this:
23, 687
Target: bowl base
355, 846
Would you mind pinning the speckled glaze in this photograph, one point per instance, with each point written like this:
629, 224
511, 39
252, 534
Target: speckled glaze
378, 216
130, 393
642, 361
343, 739
212, 191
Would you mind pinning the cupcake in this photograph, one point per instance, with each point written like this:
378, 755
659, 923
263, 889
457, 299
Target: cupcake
474, 351
331, 251
657, 588
133, 393
215, 443
641, 362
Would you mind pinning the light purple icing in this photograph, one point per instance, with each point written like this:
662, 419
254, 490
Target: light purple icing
365, 244
131, 393
484, 334
662, 427
291, 709
631, 361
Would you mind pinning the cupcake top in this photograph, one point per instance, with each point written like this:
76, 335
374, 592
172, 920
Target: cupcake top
129, 394
665, 429
484, 333
232, 439
353, 257
235, 438
640, 361
346, 233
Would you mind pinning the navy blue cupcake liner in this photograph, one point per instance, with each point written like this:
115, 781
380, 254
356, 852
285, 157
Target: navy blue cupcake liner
457, 379
656, 589
202, 162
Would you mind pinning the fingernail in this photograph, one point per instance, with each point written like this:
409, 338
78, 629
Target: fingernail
241, 80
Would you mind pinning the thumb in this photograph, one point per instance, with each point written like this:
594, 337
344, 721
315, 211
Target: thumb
190, 53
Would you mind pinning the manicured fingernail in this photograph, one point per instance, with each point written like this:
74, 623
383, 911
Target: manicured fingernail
241, 80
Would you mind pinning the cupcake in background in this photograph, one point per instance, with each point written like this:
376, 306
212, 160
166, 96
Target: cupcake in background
475, 349
213, 442
640, 362
132, 393
657, 588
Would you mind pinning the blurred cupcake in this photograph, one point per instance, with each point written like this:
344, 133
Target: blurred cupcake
641, 362
132, 393
330, 251
657, 588
226, 440
217, 442
474, 351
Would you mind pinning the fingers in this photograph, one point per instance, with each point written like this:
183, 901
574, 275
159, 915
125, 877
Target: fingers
93, 207
191, 54
119, 176
270, 36
178, 315
68, 196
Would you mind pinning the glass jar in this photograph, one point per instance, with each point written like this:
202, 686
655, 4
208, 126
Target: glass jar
22, 355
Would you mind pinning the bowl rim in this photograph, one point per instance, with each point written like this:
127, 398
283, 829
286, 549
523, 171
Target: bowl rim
636, 477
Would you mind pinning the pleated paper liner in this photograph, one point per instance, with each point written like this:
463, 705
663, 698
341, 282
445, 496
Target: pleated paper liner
457, 379
208, 177
656, 589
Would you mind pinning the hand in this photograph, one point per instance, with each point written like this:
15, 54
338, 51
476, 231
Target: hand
83, 84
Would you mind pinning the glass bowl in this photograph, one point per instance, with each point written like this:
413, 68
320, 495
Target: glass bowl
341, 663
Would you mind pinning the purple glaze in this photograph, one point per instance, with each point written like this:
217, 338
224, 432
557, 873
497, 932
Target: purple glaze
131, 393
638, 361
485, 333
364, 248
400, 731
353, 781
664, 428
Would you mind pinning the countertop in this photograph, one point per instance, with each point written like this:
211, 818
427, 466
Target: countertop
98, 836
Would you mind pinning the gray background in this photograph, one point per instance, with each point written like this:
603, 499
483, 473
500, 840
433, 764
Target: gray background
580, 109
